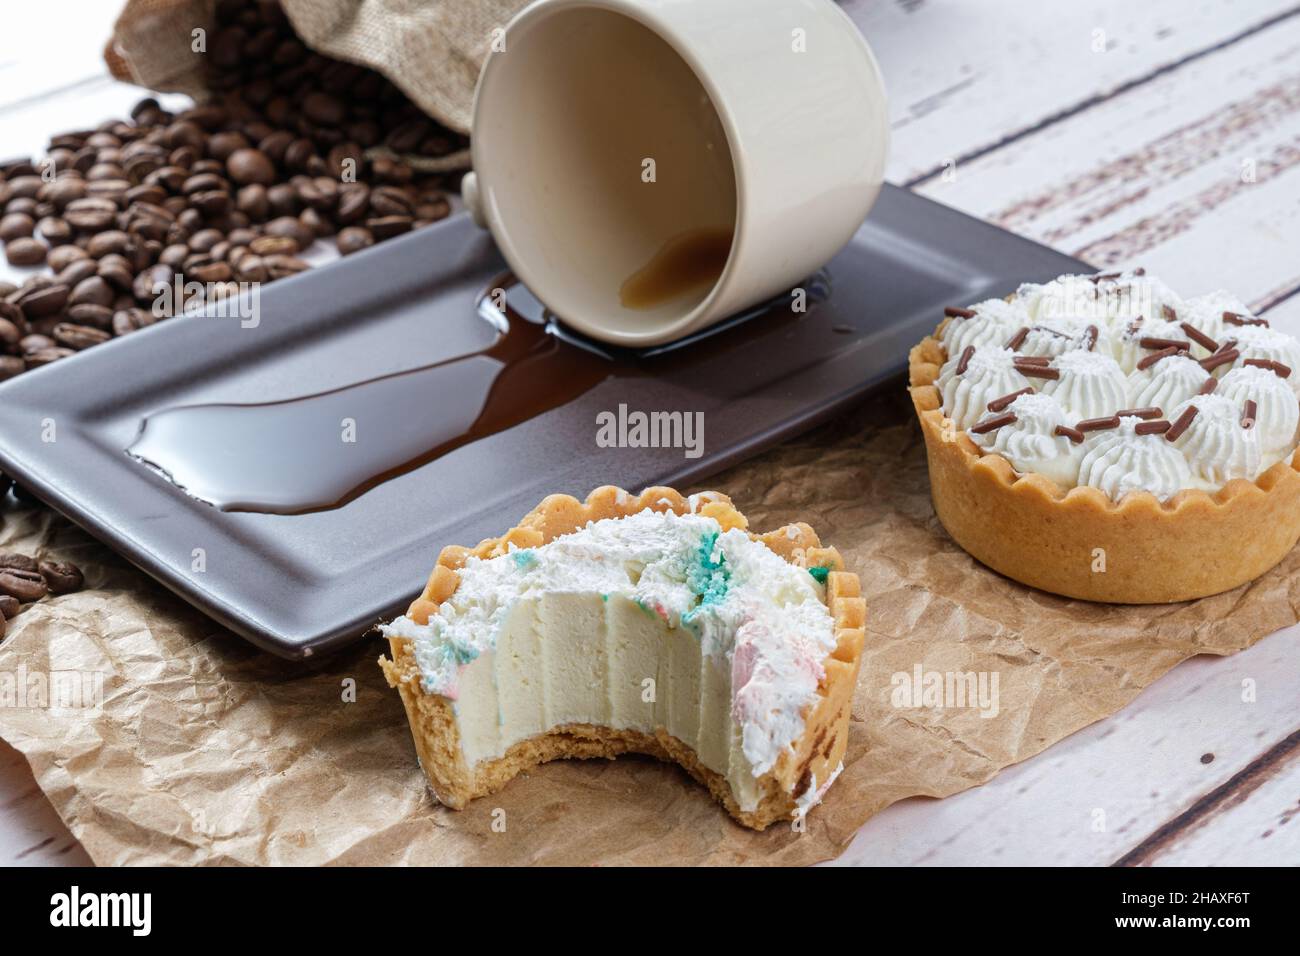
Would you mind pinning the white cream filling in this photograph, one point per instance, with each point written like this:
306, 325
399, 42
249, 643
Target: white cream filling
639, 623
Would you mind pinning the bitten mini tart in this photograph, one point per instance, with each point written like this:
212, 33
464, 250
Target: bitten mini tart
1101, 438
652, 624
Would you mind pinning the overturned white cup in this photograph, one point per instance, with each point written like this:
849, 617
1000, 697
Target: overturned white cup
649, 167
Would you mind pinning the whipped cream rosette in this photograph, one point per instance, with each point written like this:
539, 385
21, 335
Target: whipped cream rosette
991, 322
1087, 384
1277, 411
1218, 438
1206, 312
1166, 382
1259, 345
1142, 338
1053, 337
1035, 434
976, 376
1134, 456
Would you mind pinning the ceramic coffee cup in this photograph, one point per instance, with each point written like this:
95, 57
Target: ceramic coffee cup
649, 167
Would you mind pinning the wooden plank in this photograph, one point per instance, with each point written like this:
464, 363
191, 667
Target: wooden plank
1095, 796
31, 833
966, 79
1155, 177
1251, 819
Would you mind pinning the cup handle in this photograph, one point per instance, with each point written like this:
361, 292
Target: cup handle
473, 201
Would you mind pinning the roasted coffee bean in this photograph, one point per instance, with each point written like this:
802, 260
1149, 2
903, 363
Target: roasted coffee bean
16, 225
11, 560
46, 356
91, 214
275, 245
25, 187
324, 109
221, 146
62, 257
54, 230
354, 202
62, 191
131, 320
107, 243
98, 316
251, 268
390, 201
61, 577
298, 154
290, 226
117, 271
79, 337
433, 208
318, 222
147, 284
91, 291
10, 334
212, 203
44, 300
34, 343
353, 239
252, 201
11, 365
250, 166
25, 586
388, 226
212, 272
78, 272
174, 255
204, 239
283, 266
9, 608
25, 251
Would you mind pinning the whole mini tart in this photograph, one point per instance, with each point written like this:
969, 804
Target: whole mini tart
652, 624
1101, 438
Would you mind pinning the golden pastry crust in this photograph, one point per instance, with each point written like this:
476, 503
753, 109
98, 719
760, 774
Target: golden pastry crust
1033, 530
815, 755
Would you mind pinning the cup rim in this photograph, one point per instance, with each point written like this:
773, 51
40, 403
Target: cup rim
648, 19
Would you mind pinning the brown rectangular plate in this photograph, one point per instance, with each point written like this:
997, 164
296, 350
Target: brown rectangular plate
301, 584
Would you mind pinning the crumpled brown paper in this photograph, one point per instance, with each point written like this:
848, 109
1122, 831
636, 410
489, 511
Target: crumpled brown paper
207, 751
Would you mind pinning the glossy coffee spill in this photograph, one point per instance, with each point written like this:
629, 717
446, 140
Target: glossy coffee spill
320, 451
687, 264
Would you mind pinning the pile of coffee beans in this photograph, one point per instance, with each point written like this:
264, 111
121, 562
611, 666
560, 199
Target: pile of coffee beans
293, 147
24, 579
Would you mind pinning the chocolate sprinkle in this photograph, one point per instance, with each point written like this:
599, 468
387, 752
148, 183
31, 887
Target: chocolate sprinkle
1090, 337
1000, 404
1248, 415
1181, 423
1032, 360
1147, 413
953, 312
1283, 371
1151, 342
1073, 434
1097, 424
963, 363
991, 424
1151, 428
1170, 314
1038, 371
1210, 385
1018, 339
1235, 318
1222, 357
1199, 337
1155, 357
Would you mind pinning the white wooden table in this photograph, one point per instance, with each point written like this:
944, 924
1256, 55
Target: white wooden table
1163, 134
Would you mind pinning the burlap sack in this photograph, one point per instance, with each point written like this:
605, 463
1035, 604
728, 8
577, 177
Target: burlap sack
431, 49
